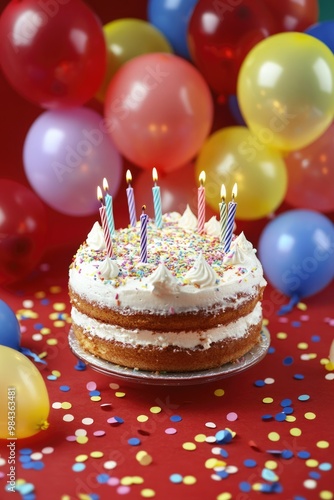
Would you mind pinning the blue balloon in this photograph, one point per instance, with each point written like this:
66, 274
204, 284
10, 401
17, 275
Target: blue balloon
297, 252
10, 333
172, 17
324, 32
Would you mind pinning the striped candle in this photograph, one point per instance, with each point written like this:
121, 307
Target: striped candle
131, 200
232, 207
201, 203
109, 208
223, 214
104, 223
156, 200
143, 235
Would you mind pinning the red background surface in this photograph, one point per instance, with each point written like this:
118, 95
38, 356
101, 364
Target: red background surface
195, 404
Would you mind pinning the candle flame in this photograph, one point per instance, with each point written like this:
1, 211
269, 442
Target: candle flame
223, 192
128, 176
99, 194
234, 191
202, 177
105, 184
155, 174
143, 208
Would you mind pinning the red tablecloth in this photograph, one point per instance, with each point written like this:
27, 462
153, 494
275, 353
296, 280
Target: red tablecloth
177, 426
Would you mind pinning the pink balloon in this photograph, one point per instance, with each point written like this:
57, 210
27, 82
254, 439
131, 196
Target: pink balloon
66, 155
178, 189
159, 111
311, 174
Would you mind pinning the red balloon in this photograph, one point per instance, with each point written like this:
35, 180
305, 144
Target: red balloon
178, 189
311, 174
291, 15
221, 34
53, 52
23, 228
159, 111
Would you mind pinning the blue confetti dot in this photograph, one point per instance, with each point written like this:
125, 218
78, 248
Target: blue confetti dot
249, 462
280, 417
325, 466
102, 478
176, 478
78, 467
296, 324
298, 376
223, 436
38, 326
288, 361
64, 388
267, 417
303, 454
25, 458
222, 473
287, 454
315, 338
134, 441
245, 486
26, 451
119, 419
315, 475
223, 453
299, 498
30, 496
51, 377
304, 397
288, 410
80, 366
175, 418
286, 402
259, 383
271, 350
45, 302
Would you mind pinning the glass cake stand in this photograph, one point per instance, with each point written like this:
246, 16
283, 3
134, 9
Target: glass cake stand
250, 359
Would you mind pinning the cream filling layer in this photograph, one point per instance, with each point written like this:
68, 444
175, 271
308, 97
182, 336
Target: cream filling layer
185, 340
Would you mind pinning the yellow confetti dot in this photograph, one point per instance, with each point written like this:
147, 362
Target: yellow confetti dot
96, 454
224, 496
200, 438
302, 345
189, 446
155, 409
144, 458
310, 415
210, 463
274, 436
290, 418
322, 444
52, 341
219, 392
56, 373
45, 331
83, 496
137, 480
119, 394
282, 335
65, 497
326, 495
302, 306
95, 398
81, 458
53, 316
265, 322
147, 493
267, 400
142, 418
311, 462
126, 481
55, 289
295, 431
329, 366
59, 306
82, 439
257, 487
271, 464
324, 361
59, 323
66, 405
189, 480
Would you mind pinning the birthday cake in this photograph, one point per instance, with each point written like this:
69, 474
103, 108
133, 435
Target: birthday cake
190, 307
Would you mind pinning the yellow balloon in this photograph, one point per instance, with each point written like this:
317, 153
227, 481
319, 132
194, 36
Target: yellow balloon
234, 154
128, 38
24, 398
286, 90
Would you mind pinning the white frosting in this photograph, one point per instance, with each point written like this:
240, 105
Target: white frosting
186, 340
108, 269
188, 220
163, 282
242, 252
212, 227
202, 274
95, 238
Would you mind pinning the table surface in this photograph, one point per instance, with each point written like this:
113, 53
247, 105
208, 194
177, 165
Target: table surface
175, 427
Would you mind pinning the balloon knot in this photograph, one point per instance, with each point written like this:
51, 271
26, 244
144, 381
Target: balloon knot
286, 308
44, 425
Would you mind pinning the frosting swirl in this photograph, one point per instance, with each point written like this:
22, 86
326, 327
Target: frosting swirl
95, 238
108, 269
212, 227
202, 274
242, 252
162, 281
188, 220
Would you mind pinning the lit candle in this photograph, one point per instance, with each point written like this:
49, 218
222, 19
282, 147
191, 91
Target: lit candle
109, 209
143, 235
156, 199
131, 199
232, 207
201, 203
104, 223
223, 214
